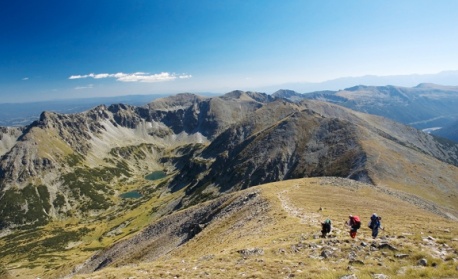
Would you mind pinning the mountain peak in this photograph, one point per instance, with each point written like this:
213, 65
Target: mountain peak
357, 87
436, 87
285, 92
175, 101
426, 85
248, 96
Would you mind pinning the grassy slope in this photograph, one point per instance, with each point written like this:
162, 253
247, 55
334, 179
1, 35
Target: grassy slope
284, 235
57, 247
412, 172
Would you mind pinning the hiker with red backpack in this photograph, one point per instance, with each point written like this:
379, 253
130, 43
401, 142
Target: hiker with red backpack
354, 223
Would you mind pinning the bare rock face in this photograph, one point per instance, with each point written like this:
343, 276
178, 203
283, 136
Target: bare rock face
8, 138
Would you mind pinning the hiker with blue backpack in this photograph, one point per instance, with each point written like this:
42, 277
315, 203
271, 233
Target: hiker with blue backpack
375, 224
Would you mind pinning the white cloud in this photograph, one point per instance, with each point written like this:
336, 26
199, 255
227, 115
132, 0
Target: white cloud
100, 76
77, 77
134, 77
26, 78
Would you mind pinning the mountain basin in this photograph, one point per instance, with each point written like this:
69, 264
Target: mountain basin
131, 195
155, 175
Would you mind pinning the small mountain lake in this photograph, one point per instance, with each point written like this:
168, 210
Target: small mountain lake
155, 175
131, 195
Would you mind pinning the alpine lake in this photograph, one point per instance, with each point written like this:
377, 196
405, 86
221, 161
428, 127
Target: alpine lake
135, 194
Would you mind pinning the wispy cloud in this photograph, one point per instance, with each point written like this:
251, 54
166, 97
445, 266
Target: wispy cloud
26, 78
89, 86
134, 77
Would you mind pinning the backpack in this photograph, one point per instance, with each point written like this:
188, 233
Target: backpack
371, 225
327, 225
356, 222
372, 222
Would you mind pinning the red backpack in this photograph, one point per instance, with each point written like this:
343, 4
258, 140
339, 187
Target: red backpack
356, 221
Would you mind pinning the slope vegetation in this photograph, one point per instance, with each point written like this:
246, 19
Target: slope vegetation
272, 231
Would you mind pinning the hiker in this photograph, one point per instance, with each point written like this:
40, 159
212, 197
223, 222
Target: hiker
326, 228
375, 224
355, 223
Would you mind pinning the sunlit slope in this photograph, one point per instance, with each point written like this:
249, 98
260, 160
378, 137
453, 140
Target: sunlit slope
394, 166
286, 141
271, 231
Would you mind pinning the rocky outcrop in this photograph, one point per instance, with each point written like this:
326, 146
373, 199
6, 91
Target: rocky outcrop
8, 138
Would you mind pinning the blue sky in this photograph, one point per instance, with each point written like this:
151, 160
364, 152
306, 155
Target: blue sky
87, 48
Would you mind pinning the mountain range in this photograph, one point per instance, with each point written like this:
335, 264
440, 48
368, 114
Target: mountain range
426, 106
64, 177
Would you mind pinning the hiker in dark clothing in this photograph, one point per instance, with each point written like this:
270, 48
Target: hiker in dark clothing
326, 228
375, 224
355, 223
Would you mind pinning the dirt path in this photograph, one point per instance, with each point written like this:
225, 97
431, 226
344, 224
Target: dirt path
312, 218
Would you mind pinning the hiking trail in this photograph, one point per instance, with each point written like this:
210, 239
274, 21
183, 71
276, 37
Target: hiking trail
305, 217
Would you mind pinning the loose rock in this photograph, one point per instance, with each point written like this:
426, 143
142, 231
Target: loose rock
422, 262
384, 245
356, 262
326, 254
401, 256
251, 251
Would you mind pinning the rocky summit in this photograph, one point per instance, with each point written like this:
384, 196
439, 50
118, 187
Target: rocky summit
106, 179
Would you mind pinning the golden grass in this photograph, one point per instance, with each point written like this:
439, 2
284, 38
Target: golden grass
414, 173
285, 231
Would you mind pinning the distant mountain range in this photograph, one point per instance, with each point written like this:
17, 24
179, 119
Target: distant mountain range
445, 78
425, 106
